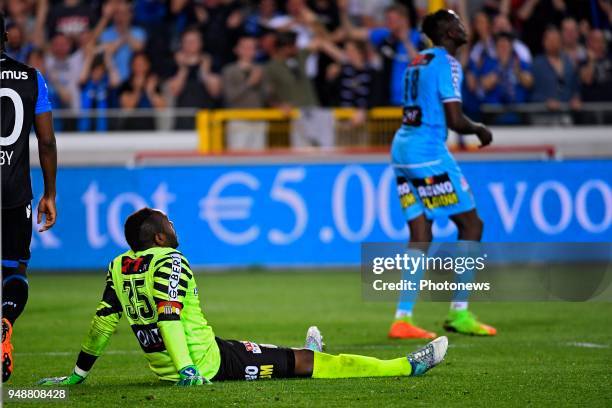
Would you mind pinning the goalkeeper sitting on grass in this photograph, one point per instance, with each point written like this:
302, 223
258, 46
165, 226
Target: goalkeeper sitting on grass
153, 285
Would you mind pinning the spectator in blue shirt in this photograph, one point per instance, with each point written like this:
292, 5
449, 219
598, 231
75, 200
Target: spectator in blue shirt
397, 43
505, 79
256, 22
126, 39
98, 81
150, 12
555, 79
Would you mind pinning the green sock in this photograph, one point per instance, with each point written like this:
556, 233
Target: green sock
351, 365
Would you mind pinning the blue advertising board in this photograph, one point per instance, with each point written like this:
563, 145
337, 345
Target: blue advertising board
300, 214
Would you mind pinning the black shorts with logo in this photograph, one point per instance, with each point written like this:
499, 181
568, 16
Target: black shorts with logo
245, 360
16, 235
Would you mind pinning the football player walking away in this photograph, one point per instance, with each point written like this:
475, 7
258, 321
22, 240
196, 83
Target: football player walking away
430, 183
23, 103
153, 285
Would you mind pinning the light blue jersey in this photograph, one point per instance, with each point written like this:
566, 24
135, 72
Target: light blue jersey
429, 180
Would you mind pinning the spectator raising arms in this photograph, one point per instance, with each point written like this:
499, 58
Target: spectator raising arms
288, 85
353, 74
193, 85
397, 42
125, 38
98, 81
140, 91
482, 43
570, 37
64, 69
505, 79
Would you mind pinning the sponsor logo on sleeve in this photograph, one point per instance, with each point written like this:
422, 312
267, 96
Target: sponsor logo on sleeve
175, 277
252, 347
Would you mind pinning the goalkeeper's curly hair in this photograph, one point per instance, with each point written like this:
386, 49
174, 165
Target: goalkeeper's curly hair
436, 25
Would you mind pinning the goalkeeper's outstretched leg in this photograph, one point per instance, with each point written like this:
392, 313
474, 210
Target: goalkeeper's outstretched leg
252, 361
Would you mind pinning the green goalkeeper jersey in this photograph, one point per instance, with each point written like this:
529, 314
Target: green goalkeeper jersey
157, 292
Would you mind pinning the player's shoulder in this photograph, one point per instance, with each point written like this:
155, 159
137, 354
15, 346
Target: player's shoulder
423, 58
167, 255
449, 60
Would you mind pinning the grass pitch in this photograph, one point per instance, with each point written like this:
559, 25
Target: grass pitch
545, 354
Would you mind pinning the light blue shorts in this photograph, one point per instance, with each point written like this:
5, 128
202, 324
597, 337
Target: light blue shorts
429, 184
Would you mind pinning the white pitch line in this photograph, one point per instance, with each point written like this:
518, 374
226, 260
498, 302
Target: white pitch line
588, 345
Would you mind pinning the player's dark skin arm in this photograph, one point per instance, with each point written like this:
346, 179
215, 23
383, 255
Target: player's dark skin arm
47, 153
457, 121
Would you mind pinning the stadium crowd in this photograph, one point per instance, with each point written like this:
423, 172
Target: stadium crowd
303, 53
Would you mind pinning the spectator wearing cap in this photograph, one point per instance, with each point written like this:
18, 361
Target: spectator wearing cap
125, 38
194, 84
505, 79
297, 19
596, 70
398, 42
555, 79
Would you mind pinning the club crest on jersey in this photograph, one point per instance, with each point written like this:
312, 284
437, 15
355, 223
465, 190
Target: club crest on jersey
436, 191
133, 266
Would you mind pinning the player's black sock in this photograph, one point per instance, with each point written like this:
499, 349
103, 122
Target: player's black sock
14, 293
